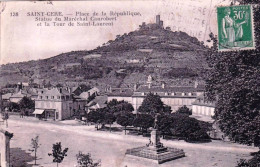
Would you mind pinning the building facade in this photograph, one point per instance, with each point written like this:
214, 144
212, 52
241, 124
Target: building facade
55, 103
175, 97
202, 107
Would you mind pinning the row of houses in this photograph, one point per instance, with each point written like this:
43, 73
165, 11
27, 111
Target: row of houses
56, 103
173, 96
60, 103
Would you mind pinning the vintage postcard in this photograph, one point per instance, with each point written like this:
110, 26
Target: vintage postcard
129, 83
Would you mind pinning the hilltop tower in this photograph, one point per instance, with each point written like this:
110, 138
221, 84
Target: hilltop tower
158, 19
159, 22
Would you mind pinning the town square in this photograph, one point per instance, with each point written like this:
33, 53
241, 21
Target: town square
130, 83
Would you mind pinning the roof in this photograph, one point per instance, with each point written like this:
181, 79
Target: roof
6, 96
77, 91
100, 101
121, 92
199, 88
56, 92
88, 93
20, 94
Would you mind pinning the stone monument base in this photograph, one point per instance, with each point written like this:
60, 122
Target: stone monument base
158, 154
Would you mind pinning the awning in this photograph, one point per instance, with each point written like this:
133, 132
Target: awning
38, 111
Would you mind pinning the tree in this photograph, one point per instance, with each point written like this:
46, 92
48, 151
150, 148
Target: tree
253, 162
153, 104
118, 106
184, 110
26, 103
12, 106
85, 160
35, 145
233, 81
167, 109
57, 153
109, 118
182, 126
96, 117
164, 124
144, 121
125, 119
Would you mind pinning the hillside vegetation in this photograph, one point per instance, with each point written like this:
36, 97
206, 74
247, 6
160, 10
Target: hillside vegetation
130, 58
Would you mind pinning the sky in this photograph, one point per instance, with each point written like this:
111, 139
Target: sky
23, 40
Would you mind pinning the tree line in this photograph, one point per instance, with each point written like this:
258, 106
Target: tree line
177, 124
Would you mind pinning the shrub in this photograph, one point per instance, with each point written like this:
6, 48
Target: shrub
182, 126
184, 110
254, 162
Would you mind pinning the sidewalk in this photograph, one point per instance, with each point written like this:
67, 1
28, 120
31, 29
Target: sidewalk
90, 131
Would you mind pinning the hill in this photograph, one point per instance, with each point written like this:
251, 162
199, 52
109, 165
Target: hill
170, 56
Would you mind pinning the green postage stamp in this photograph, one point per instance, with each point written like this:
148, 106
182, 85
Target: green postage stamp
235, 28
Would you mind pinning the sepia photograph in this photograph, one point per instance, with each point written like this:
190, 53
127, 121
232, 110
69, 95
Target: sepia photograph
146, 83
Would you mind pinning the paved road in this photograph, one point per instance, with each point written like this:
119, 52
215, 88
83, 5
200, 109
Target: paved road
110, 148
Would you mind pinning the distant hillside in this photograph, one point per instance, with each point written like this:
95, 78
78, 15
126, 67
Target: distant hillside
130, 58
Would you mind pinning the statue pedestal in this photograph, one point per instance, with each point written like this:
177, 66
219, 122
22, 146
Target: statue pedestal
155, 150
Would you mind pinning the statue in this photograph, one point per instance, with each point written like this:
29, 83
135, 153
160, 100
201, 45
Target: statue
156, 121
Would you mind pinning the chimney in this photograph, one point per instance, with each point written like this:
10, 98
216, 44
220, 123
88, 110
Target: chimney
196, 84
135, 87
19, 87
163, 85
158, 19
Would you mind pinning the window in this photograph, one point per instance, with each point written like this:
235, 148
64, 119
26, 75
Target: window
52, 97
58, 97
40, 97
47, 97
